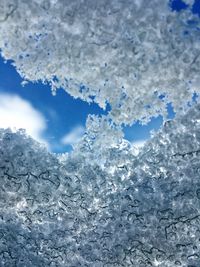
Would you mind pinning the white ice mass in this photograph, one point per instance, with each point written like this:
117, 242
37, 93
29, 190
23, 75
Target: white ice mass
102, 205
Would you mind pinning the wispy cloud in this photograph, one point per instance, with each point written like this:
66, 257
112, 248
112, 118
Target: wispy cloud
16, 113
73, 136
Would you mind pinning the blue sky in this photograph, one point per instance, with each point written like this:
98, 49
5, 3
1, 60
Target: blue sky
57, 120
63, 115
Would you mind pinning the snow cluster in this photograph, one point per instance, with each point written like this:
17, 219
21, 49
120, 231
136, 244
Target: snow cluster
101, 206
136, 55
74, 212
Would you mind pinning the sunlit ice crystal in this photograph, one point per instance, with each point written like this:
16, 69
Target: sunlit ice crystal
126, 53
68, 211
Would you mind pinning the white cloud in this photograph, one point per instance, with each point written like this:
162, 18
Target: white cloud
16, 113
74, 136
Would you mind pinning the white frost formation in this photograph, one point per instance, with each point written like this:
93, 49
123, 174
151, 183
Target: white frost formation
145, 213
136, 55
101, 206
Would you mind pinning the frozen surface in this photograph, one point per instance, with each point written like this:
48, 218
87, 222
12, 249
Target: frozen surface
101, 206
125, 211
136, 55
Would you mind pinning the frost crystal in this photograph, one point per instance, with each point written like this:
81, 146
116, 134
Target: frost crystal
72, 212
101, 206
135, 55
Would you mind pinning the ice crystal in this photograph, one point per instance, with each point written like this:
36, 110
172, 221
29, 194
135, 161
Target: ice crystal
73, 212
125, 53
101, 206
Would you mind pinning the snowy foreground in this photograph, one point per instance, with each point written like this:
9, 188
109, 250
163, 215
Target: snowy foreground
68, 211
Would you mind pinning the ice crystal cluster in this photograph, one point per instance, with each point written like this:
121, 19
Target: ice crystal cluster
136, 55
102, 206
72, 212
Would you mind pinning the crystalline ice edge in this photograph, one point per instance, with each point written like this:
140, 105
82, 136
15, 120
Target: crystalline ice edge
125, 53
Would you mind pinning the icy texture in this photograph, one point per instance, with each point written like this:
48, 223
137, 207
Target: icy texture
101, 206
73, 212
125, 53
